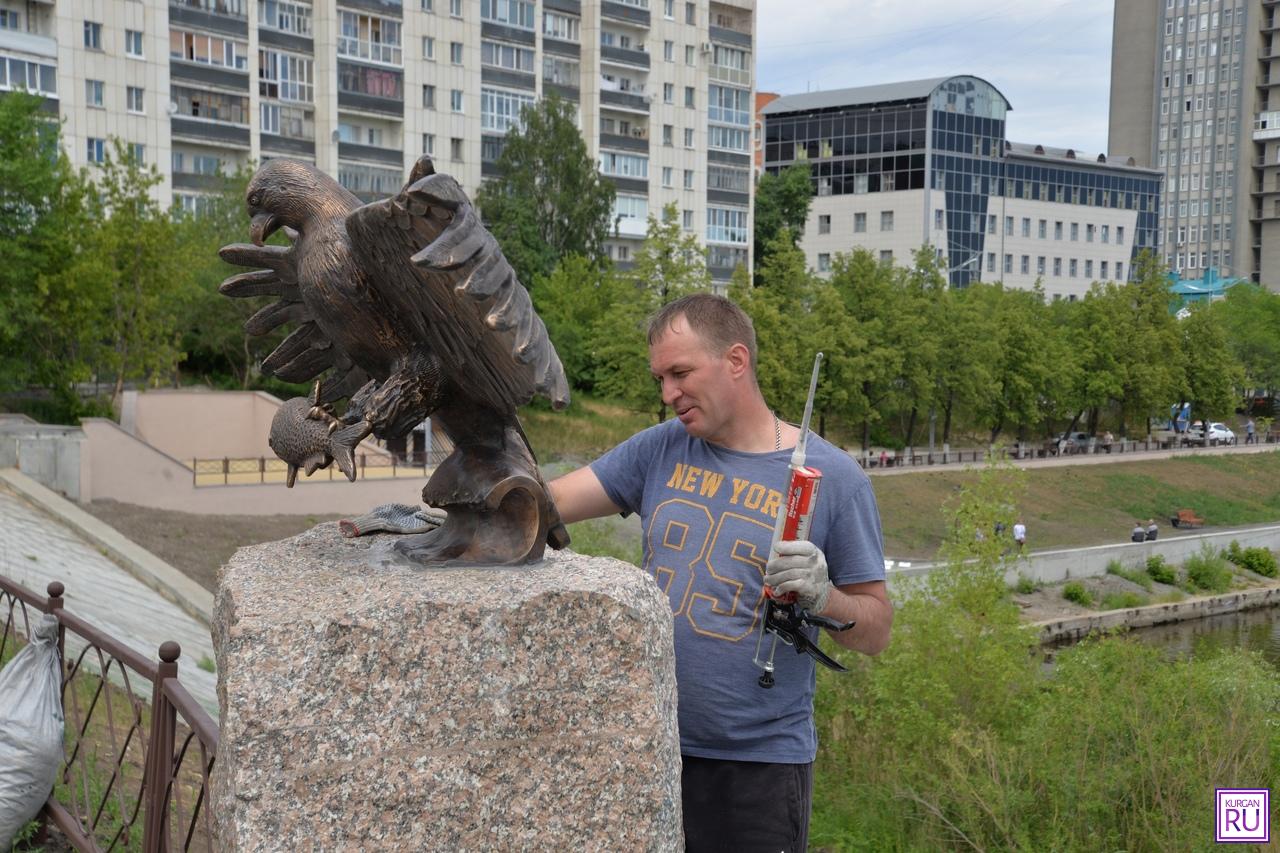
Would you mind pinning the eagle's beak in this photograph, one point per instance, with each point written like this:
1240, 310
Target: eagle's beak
262, 226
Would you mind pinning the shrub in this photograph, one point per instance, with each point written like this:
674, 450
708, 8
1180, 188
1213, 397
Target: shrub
1160, 571
1209, 571
1026, 586
1115, 567
1075, 591
1258, 560
1122, 600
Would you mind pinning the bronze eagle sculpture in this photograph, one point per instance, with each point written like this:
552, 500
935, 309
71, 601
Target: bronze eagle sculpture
410, 306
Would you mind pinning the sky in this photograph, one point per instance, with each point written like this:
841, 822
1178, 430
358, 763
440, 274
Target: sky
1051, 59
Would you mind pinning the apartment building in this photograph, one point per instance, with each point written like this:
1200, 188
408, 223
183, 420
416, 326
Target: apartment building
662, 91
1195, 94
926, 162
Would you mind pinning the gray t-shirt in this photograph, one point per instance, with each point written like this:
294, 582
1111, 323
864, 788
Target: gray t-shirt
707, 514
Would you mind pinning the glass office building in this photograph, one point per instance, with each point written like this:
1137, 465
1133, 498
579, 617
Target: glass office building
902, 165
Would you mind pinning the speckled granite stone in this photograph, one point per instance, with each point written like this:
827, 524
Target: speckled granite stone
368, 704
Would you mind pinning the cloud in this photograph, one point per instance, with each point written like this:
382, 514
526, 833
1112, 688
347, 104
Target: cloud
1051, 60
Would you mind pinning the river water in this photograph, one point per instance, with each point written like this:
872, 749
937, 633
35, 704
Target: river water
1253, 629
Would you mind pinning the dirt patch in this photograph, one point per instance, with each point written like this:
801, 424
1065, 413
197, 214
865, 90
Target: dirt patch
197, 545
1047, 601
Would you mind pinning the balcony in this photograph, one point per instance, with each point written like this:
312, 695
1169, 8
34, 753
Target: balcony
738, 38
634, 100
732, 76
624, 56
1266, 126
634, 12
29, 43
637, 140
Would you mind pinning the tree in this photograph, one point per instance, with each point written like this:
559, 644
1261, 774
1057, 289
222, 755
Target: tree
548, 199
1251, 317
969, 350
1213, 374
48, 317
782, 202
668, 265
571, 302
1151, 361
140, 273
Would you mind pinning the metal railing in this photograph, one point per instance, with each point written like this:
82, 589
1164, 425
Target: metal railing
1029, 450
232, 471
133, 770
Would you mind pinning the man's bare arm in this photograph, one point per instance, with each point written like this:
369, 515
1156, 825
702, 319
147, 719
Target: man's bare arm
866, 604
579, 496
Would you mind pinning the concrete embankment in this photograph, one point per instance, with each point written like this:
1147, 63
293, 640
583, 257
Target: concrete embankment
1070, 628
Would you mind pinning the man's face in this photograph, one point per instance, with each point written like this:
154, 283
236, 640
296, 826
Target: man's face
695, 382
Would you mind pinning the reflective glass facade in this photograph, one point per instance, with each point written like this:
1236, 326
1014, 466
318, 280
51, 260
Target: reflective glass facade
953, 142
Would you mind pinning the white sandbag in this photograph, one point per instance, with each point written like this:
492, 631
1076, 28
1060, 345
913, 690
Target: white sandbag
30, 729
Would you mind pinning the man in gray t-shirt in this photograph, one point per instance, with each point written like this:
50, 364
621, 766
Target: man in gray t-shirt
708, 487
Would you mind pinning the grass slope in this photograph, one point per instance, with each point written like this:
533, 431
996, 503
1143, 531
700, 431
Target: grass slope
1090, 504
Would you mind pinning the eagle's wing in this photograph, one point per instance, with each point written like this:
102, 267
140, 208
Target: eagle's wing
306, 352
441, 271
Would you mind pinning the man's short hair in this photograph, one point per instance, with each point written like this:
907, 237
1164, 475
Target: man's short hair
715, 319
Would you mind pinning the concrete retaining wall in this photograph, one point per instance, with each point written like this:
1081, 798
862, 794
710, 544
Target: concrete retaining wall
53, 455
1060, 565
1078, 627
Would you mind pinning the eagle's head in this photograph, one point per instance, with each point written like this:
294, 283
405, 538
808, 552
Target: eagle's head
286, 193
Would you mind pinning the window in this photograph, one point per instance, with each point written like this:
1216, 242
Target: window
991, 261
455, 144
689, 98
556, 69
10, 20
666, 176
455, 52
688, 179
428, 48
513, 13
96, 150
93, 41
132, 43
1072, 268
1008, 226
630, 207
93, 92
886, 256
1057, 230
1008, 264
429, 143
455, 9
689, 55
563, 27
285, 76
1025, 266
668, 9
500, 110
137, 152
668, 93
291, 17
1088, 269
1119, 235
688, 137
730, 106
455, 100
859, 223
1075, 231
503, 55
824, 262
369, 37
691, 13
1043, 229
824, 223
1102, 270
623, 165
1106, 233
991, 223
428, 97
1120, 270
728, 138
133, 99
1088, 233
669, 51
428, 5
687, 219
727, 225
208, 50
1026, 226
886, 220
1057, 266
729, 178
937, 219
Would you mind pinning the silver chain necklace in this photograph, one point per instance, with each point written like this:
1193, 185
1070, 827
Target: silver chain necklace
777, 433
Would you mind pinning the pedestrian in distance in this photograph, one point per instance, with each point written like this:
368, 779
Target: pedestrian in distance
1139, 533
1249, 429
1020, 535
710, 477
1153, 530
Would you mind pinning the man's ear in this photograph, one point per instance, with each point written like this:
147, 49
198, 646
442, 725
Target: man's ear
739, 359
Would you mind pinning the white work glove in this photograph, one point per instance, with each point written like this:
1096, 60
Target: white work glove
800, 567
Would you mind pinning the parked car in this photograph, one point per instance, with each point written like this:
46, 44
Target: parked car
1219, 433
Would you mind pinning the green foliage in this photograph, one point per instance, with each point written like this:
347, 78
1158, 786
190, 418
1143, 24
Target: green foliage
206, 663
1160, 571
781, 207
1123, 600
1026, 586
1257, 560
1213, 373
1250, 315
983, 748
1142, 579
602, 538
1074, 591
1208, 570
548, 200
572, 301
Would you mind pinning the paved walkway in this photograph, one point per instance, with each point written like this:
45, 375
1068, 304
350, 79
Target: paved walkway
1078, 458
36, 549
